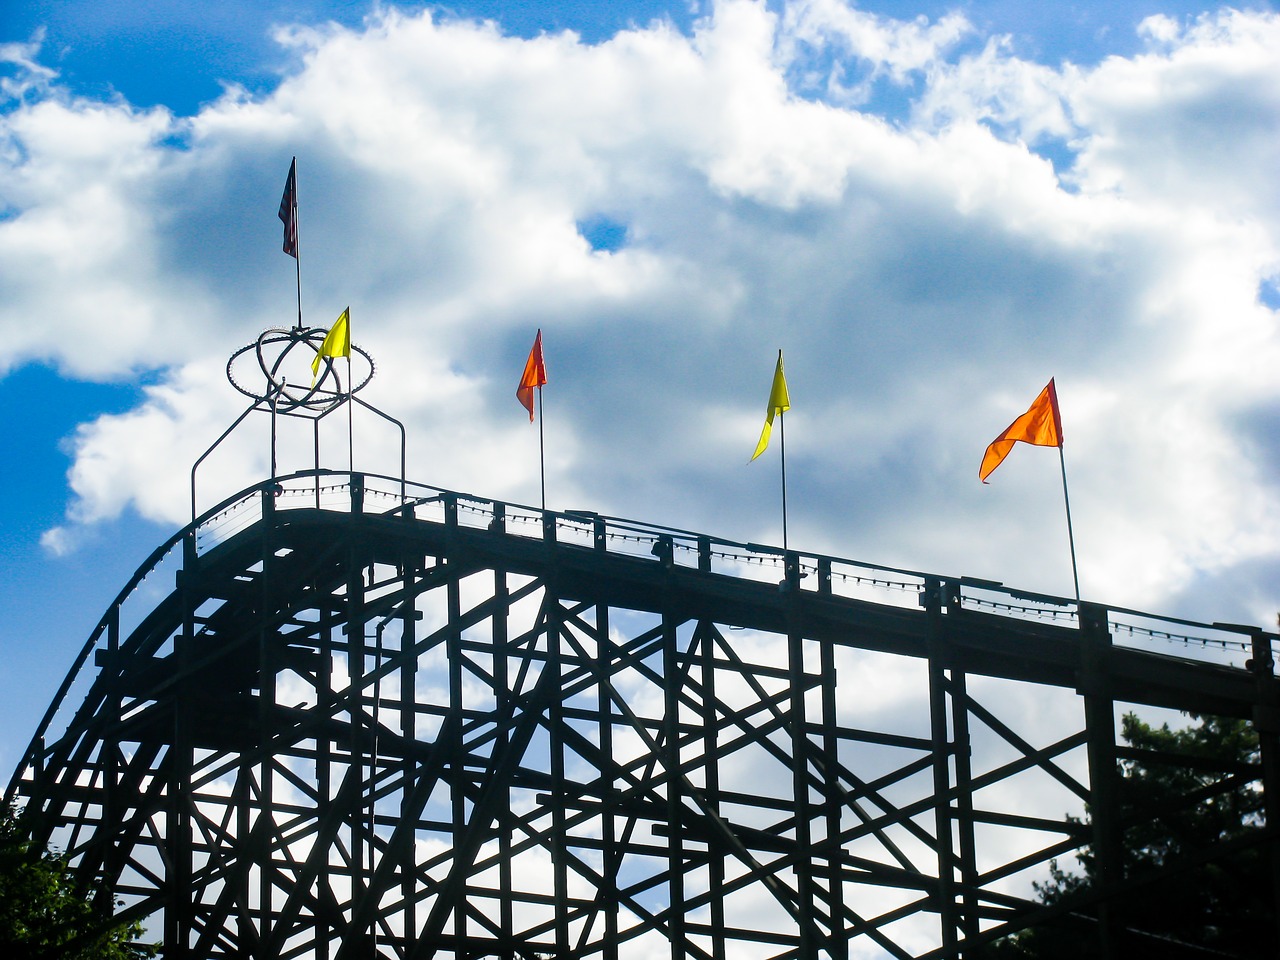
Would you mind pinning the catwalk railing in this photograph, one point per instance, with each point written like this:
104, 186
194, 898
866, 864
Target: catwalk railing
376, 718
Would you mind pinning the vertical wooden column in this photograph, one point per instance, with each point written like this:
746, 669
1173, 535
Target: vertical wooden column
711, 773
1266, 724
671, 673
502, 703
457, 764
800, 752
178, 914
360, 755
964, 820
326, 696
833, 794
559, 794
110, 756
612, 859
408, 672
1104, 775
935, 599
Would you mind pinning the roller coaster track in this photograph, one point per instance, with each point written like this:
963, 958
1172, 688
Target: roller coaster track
378, 719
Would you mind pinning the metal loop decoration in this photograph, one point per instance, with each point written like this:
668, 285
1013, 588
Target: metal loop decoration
284, 356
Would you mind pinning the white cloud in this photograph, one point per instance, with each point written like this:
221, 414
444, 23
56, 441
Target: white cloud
1190, 122
924, 275
29, 75
881, 46
997, 87
143, 457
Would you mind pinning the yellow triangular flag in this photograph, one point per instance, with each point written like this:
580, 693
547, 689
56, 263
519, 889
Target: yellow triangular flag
336, 344
779, 402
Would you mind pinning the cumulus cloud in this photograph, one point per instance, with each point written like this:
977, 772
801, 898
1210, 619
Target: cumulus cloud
925, 274
1190, 121
25, 75
842, 50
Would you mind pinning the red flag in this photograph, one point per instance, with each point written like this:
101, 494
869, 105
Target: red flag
289, 211
1041, 425
535, 375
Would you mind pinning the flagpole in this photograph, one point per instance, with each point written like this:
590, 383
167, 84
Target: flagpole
1071, 537
782, 443
542, 451
297, 270
351, 443
275, 396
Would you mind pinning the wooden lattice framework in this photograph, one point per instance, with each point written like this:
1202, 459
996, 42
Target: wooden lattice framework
371, 720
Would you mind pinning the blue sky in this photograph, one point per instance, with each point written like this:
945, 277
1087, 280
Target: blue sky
180, 54
931, 207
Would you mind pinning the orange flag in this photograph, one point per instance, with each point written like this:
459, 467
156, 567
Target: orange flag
1041, 425
535, 375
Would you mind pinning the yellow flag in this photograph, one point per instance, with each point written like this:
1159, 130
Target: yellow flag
336, 344
779, 402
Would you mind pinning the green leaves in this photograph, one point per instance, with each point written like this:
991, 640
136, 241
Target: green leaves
1195, 864
46, 913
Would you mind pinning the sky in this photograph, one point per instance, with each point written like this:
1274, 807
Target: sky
930, 208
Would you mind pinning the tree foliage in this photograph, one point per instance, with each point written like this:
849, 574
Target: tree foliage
1191, 808
45, 914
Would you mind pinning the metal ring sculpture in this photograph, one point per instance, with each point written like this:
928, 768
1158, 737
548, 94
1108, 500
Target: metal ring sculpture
275, 351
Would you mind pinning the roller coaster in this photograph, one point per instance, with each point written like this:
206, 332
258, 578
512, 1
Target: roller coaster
373, 719
341, 715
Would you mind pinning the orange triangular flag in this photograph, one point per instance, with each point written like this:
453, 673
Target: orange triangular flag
535, 375
1041, 425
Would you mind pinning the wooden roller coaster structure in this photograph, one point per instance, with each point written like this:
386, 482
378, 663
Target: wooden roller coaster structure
374, 719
